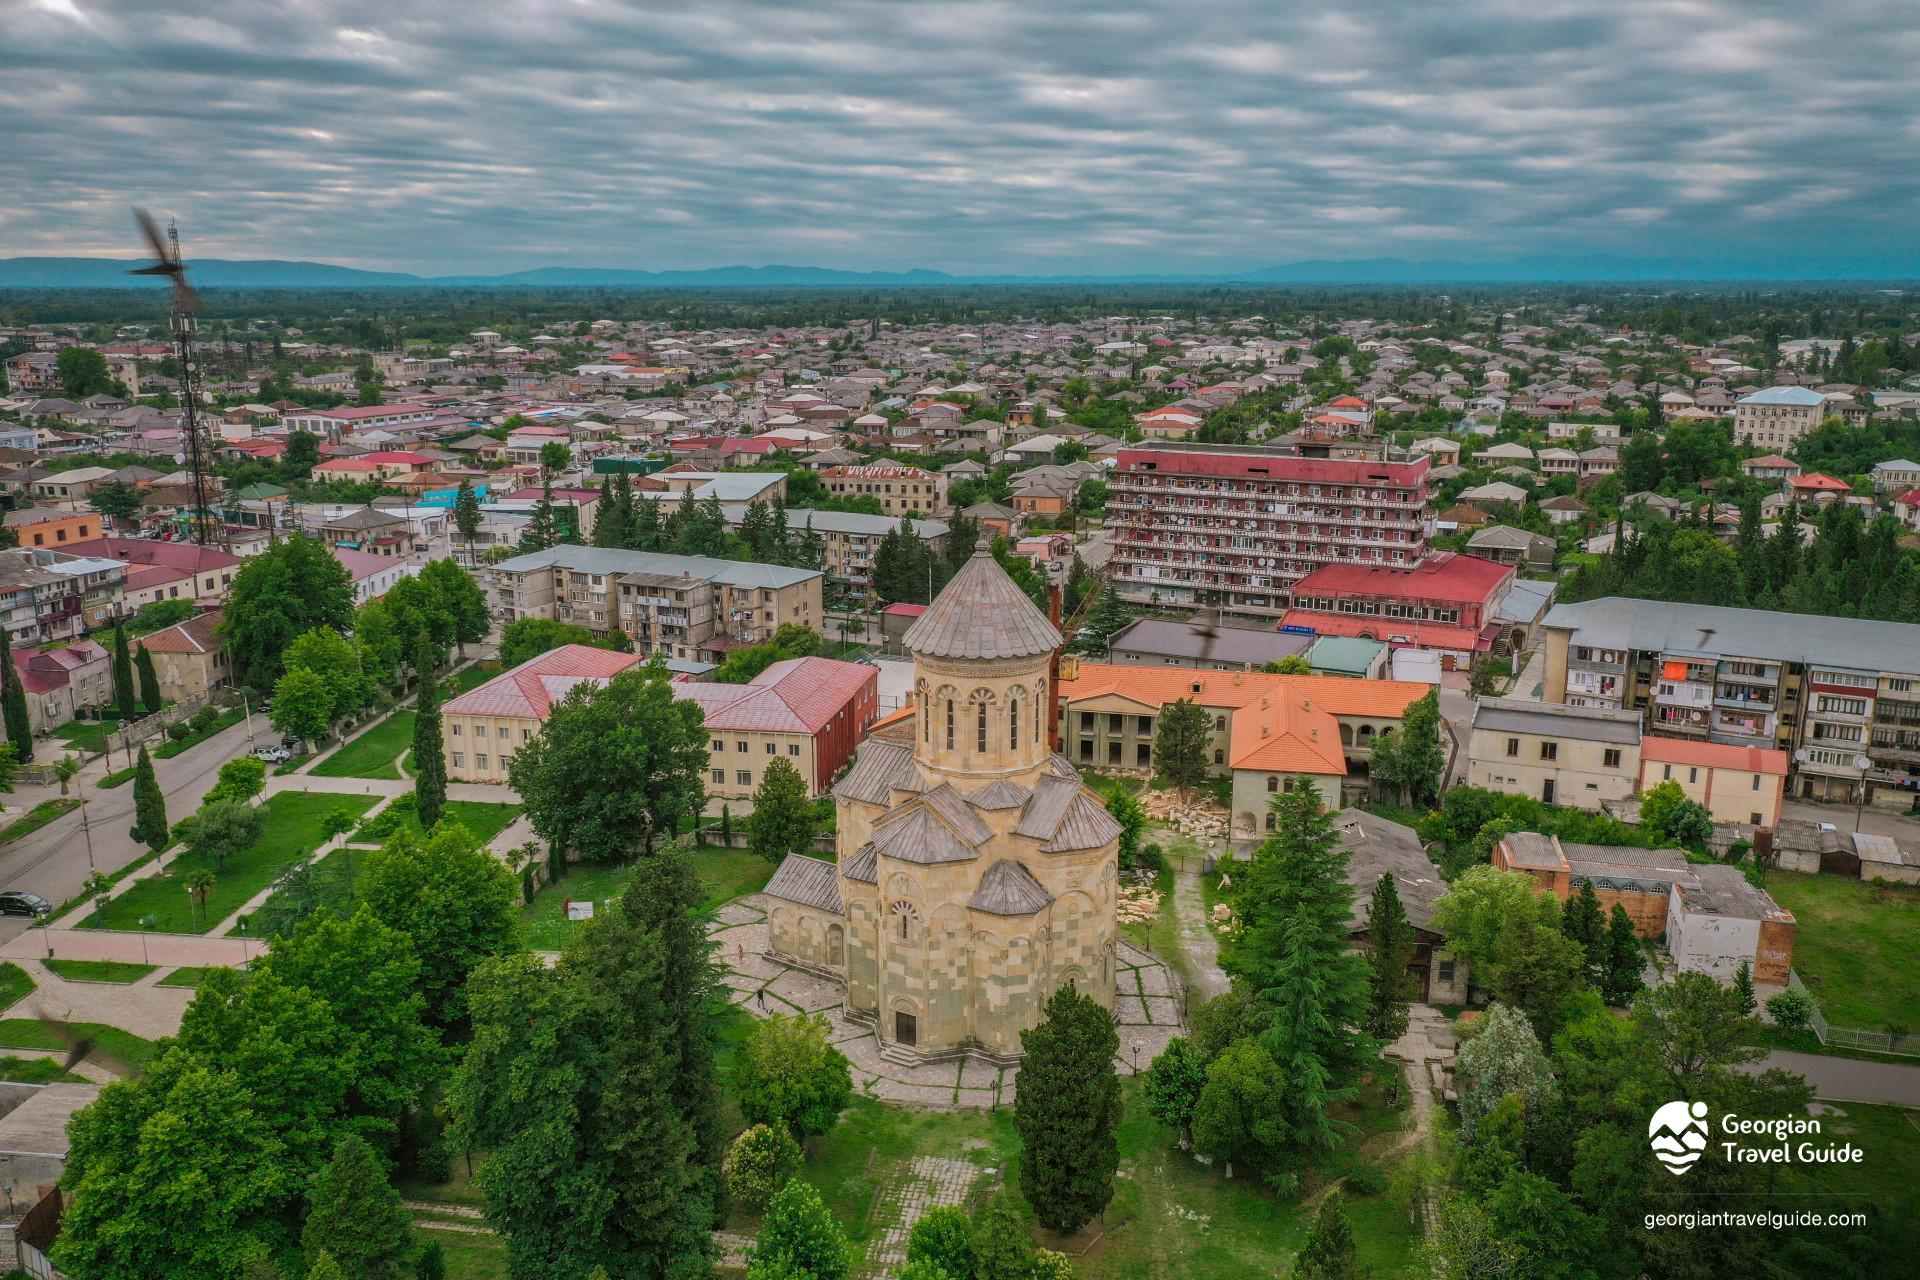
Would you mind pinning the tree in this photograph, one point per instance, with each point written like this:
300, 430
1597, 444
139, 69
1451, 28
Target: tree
783, 818
1624, 959
1183, 744
759, 1163
943, 1240
1501, 1058
466, 513
1294, 903
355, 1216
525, 639
220, 830
1125, 808
13, 703
458, 604
453, 900
799, 1240
341, 662
1110, 613
428, 762
1294, 664
789, 1075
1695, 1028
1328, 1252
1665, 810
293, 586
1465, 1245
1536, 967
150, 698
1390, 986
241, 779
302, 455
1476, 907
1791, 1010
116, 502
185, 1134
124, 699
149, 805
1067, 1111
616, 766
303, 705
83, 372
200, 887
1743, 988
325, 1268
1411, 758
1582, 920
1173, 1085
1483, 677
1240, 1117
1002, 1242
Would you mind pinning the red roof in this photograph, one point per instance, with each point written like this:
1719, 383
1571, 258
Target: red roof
530, 689
1823, 483
1455, 579
1713, 755
1280, 467
1911, 498
799, 695
1347, 402
900, 609
355, 413
1421, 635
399, 455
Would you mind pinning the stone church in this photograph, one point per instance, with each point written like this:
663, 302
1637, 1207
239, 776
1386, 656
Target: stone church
976, 872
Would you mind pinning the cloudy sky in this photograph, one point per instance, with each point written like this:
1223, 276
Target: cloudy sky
1035, 136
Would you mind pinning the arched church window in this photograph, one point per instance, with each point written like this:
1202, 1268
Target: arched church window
905, 917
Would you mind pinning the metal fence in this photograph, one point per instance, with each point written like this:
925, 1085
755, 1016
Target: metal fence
1903, 1043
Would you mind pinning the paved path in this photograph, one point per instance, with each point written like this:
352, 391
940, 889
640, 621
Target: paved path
141, 1008
1849, 1079
1197, 940
170, 949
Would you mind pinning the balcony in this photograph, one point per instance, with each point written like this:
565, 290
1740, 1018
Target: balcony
1754, 702
1768, 675
1575, 663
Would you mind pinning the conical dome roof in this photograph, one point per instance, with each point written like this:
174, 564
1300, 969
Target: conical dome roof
982, 614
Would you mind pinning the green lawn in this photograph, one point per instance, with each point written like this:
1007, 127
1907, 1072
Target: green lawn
469, 1256
225, 720
374, 754
88, 736
292, 831
187, 977
38, 816
116, 971
469, 678
36, 1071
1853, 946
15, 984
728, 873
485, 819
31, 1033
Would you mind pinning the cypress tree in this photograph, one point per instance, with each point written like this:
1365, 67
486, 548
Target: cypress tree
149, 805
1067, 1111
123, 699
13, 703
1583, 921
428, 762
645, 532
1622, 977
149, 680
356, 1216
1328, 1253
1389, 945
1743, 988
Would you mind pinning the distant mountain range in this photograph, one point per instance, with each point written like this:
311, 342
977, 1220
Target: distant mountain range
267, 273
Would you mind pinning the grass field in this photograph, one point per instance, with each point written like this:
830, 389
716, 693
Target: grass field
1853, 945
36, 1071
89, 736
16, 984
468, 1256
485, 819
116, 971
187, 977
38, 816
374, 754
31, 1033
728, 873
292, 830
469, 678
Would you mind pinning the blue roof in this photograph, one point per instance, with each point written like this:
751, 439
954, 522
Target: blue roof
1785, 395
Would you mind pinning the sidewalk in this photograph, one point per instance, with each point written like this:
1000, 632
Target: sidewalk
172, 950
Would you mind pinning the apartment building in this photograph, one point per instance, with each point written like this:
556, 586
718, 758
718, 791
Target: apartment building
347, 420
849, 540
1777, 417
1234, 527
1734, 784
1446, 603
686, 607
810, 712
1840, 695
52, 527
899, 490
165, 570
1583, 757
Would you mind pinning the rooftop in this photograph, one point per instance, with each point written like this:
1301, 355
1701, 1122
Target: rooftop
1716, 631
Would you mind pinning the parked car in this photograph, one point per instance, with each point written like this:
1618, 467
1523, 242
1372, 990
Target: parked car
18, 902
273, 755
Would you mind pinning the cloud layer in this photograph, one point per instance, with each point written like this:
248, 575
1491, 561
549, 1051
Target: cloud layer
979, 136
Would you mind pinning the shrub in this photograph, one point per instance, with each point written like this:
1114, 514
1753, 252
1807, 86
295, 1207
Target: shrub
203, 719
1366, 1180
178, 732
758, 1163
1791, 1010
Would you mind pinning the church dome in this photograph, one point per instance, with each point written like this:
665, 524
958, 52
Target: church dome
982, 613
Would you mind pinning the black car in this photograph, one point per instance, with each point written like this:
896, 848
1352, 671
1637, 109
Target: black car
19, 903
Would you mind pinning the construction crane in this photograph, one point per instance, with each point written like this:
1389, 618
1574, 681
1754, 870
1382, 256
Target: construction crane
184, 323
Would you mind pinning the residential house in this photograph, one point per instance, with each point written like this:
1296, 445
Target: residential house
1583, 757
189, 658
1735, 784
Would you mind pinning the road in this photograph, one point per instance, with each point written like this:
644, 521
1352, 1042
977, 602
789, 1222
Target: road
1849, 1079
52, 861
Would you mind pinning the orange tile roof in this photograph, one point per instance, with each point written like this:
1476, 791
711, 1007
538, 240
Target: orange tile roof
1293, 725
1714, 755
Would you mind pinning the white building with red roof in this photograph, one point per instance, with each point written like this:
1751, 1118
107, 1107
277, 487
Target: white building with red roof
810, 712
1445, 603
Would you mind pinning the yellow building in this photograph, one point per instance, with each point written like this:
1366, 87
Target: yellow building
1733, 783
976, 873
1578, 756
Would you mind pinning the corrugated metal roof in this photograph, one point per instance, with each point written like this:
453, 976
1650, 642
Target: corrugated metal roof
809, 882
1009, 889
530, 689
1704, 630
981, 614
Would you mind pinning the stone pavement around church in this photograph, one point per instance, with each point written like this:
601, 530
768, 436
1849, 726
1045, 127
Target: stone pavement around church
1145, 1005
